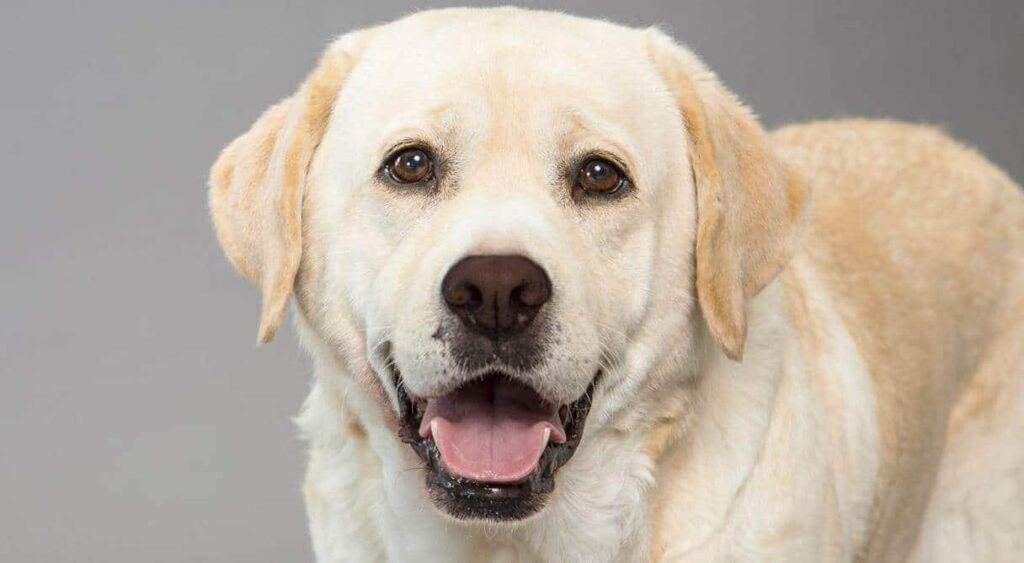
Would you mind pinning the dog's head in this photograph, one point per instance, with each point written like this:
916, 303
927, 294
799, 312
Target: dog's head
500, 222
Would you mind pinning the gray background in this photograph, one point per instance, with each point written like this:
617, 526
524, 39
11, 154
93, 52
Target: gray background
138, 421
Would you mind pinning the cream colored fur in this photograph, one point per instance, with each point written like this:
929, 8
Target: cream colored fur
813, 340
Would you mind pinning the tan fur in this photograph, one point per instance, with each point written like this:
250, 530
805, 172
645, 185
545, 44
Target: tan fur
916, 236
257, 185
749, 205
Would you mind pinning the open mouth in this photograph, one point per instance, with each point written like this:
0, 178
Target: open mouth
491, 446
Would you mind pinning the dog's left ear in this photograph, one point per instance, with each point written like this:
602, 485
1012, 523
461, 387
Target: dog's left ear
750, 204
257, 184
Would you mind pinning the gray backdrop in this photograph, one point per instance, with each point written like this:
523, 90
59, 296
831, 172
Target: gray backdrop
138, 421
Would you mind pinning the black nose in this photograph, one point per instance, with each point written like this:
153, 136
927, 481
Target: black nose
497, 296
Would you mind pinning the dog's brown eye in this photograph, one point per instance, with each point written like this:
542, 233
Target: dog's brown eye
599, 176
411, 166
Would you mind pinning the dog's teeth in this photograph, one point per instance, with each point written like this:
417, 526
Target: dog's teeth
547, 436
433, 429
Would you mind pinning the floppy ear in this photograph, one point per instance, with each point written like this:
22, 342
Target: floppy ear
257, 184
750, 204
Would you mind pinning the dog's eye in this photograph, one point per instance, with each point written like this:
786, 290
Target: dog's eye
599, 176
411, 166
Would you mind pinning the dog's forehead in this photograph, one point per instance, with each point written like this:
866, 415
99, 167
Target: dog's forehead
520, 66
486, 42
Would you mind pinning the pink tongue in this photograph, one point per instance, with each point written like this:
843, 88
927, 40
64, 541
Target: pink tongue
492, 430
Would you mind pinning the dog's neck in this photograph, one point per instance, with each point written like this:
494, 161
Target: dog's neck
365, 495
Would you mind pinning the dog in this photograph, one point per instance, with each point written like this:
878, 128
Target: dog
567, 300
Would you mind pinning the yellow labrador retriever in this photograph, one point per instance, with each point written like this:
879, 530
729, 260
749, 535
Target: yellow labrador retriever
567, 301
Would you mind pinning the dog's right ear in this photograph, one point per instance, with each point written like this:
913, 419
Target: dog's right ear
257, 183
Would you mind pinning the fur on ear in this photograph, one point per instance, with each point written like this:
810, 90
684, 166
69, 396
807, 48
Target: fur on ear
257, 184
750, 204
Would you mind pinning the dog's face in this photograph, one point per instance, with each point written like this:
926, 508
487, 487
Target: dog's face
500, 216
491, 216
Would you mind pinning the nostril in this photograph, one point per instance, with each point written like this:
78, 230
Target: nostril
532, 294
464, 295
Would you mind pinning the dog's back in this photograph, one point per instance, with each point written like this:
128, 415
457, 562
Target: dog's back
920, 242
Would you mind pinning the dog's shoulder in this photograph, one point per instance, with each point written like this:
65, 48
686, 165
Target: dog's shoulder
911, 230
917, 240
